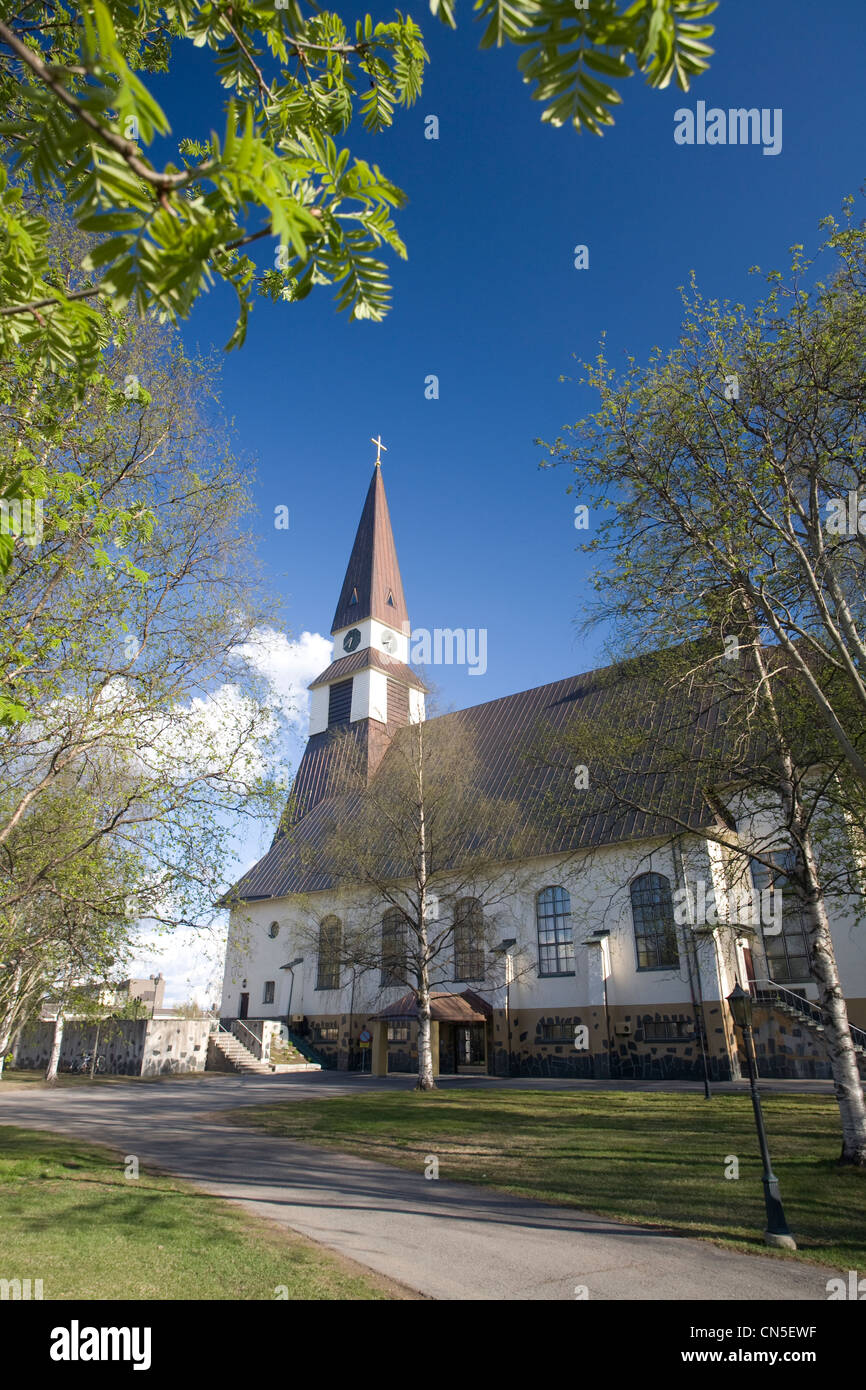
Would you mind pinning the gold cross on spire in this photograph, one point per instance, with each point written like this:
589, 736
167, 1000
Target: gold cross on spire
379, 447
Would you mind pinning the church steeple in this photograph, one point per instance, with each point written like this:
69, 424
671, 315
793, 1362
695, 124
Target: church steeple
369, 678
373, 587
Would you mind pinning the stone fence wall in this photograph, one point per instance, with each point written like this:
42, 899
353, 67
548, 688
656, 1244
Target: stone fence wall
130, 1047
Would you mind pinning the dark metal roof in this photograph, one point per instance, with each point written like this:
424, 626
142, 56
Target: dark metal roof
467, 1007
373, 573
548, 815
362, 660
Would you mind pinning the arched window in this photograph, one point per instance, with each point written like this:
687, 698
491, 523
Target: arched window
393, 948
555, 935
330, 947
787, 951
652, 911
468, 940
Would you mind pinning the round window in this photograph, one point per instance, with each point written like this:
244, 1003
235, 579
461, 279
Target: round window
274, 929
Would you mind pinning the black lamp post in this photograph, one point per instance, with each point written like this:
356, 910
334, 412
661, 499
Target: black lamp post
299, 960
777, 1233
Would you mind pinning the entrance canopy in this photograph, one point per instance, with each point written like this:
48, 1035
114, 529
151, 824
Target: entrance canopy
467, 1007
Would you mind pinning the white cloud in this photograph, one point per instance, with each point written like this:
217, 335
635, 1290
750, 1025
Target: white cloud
288, 667
190, 961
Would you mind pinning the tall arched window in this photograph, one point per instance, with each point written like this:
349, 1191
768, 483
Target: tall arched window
555, 935
468, 940
787, 951
652, 910
393, 948
330, 947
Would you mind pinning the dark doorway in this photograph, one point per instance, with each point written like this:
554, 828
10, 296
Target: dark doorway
447, 1050
470, 1045
245, 1006
750, 969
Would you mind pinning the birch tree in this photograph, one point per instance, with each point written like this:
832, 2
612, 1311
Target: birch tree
724, 465
134, 719
410, 849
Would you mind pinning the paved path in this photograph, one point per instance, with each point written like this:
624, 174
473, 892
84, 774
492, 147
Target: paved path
442, 1239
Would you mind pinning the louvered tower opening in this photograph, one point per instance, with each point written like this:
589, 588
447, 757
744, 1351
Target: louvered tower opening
340, 703
398, 702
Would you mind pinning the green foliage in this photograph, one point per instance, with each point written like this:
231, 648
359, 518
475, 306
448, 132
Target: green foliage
724, 465
81, 121
571, 55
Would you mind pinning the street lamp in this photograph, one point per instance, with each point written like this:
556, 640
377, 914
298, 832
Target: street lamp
777, 1233
299, 960
502, 950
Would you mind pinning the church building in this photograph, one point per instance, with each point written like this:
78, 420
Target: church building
603, 960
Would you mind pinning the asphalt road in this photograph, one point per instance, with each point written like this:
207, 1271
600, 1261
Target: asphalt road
444, 1240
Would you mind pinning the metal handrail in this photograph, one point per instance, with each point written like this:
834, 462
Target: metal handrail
259, 1042
230, 1033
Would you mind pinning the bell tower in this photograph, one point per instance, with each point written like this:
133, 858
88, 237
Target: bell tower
369, 678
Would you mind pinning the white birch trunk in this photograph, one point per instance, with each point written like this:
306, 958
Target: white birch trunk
56, 1045
837, 1031
426, 1080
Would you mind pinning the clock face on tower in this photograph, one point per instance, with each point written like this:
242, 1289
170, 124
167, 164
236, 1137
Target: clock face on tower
351, 639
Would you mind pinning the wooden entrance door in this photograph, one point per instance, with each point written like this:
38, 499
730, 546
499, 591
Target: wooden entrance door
245, 1006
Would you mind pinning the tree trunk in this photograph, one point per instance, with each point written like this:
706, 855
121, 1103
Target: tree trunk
9, 1019
425, 1050
840, 1045
57, 1043
837, 1031
426, 1080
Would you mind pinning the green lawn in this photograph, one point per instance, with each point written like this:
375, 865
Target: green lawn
656, 1157
69, 1217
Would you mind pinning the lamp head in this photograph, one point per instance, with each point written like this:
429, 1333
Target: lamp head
740, 1004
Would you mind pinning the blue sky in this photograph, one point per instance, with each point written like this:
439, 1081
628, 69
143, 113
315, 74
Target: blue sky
490, 302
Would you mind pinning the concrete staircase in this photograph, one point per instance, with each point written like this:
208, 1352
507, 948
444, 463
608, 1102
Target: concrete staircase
241, 1059
770, 995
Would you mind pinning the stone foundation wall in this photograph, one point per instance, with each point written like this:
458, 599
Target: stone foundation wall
620, 1045
785, 1047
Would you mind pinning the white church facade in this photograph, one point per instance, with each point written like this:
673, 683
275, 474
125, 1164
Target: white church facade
613, 954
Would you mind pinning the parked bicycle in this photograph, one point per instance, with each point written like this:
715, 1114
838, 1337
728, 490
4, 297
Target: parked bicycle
85, 1063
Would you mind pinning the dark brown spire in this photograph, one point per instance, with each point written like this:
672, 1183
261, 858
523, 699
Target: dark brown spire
373, 587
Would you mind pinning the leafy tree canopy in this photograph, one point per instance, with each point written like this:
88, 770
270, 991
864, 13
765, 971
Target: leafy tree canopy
82, 121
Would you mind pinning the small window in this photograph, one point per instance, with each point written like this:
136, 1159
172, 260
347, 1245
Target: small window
398, 1032
354, 598
668, 1030
390, 600
562, 1031
268, 996
274, 930
326, 1032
